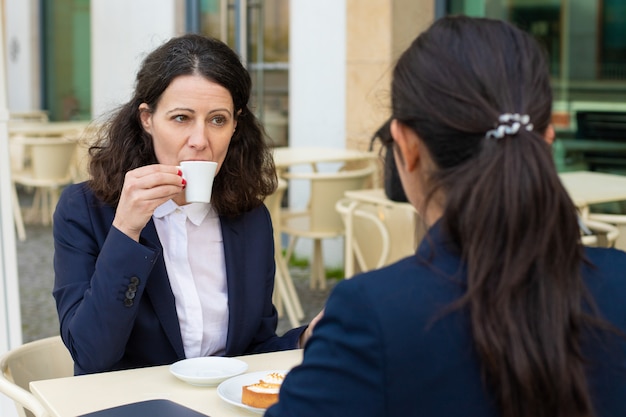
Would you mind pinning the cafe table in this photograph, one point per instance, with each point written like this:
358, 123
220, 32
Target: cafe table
60, 128
284, 157
74, 396
587, 187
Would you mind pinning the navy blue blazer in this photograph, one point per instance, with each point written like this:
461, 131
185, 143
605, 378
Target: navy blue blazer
381, 348
115, 304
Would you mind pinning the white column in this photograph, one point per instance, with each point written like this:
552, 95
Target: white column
22, 55
10, 323
122, 33
317, 87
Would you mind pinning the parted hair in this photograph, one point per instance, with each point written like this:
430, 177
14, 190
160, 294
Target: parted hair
504, 207
247, 174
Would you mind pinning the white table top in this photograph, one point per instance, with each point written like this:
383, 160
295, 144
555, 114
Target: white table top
47, 128
587, 188
287, 156
584, 187
73, 396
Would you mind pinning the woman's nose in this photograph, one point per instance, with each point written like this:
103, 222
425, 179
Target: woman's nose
199, 138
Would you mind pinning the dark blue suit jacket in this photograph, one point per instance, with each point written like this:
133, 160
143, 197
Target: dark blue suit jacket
384, 348
116, 307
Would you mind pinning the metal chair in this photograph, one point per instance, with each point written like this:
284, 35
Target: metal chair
42, 359
321, 220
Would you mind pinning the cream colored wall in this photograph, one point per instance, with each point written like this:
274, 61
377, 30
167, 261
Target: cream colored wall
377, 33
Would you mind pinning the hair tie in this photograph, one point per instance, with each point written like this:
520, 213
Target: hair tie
509, 124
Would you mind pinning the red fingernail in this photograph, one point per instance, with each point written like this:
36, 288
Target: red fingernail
184, 183
180, 173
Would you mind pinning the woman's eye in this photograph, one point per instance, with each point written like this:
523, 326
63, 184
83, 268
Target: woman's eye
218, 120
180, 118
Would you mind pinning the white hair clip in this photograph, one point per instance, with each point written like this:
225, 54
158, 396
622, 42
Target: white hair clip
509, 124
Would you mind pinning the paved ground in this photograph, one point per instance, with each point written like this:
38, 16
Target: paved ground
39, 318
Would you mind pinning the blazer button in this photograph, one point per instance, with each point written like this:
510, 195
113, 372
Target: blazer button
134, 281
128, 302
130, 295
132, 287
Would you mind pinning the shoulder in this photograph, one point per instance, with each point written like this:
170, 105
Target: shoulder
409, 283
605, 278
606, 257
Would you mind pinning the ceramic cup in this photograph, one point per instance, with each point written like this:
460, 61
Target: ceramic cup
199, 176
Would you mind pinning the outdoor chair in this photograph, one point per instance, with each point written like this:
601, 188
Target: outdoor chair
320, 220
47, 171
602, 234
616, 220
42, 359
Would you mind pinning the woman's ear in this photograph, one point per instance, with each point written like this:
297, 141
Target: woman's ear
549, 135
407, 144
146, 117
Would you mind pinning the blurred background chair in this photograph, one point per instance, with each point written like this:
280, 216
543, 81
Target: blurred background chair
47, 171
285, 293
370, 225
42, 359
366, 237
28, 116
598, 233
320, 220
616, 220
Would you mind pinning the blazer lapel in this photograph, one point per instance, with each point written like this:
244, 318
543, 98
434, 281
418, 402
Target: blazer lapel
235, 260
161, 295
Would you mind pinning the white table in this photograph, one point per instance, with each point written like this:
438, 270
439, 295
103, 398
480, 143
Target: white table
63, 128
586, 188
285, 157
73, 396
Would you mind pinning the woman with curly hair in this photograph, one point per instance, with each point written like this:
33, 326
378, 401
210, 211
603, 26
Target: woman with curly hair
142, 277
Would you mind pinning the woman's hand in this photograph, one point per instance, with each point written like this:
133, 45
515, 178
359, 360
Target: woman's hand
145, 188
306, 335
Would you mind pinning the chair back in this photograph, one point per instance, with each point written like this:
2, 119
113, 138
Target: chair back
50, 157
366, 237
603, 234
42, 359
618, 221
326, 189
29, 116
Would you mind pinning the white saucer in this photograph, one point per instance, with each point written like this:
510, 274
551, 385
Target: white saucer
207, 371
230, 390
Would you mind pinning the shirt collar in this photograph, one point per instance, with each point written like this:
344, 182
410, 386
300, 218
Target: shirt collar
195, 212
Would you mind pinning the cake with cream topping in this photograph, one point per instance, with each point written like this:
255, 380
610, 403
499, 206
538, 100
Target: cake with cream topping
264, 393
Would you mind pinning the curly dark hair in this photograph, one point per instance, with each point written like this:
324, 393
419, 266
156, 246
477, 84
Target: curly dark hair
247, 175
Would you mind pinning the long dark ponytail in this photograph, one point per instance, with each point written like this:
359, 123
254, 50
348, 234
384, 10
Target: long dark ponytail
505, 207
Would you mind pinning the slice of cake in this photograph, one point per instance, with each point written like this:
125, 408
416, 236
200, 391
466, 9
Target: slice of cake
264, 393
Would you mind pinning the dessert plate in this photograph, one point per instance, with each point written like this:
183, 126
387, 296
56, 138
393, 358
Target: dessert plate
207, 371
230, 390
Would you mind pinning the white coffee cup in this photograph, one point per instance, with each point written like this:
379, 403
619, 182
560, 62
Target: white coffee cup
199, 176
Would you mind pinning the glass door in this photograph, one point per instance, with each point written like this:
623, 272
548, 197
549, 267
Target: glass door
66, 75
258, 30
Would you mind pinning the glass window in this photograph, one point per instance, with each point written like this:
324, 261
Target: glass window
259, 32
585, 41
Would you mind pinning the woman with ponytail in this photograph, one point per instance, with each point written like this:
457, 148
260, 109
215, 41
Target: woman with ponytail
501, 311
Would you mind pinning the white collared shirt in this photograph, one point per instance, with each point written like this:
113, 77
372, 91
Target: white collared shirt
193, 251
